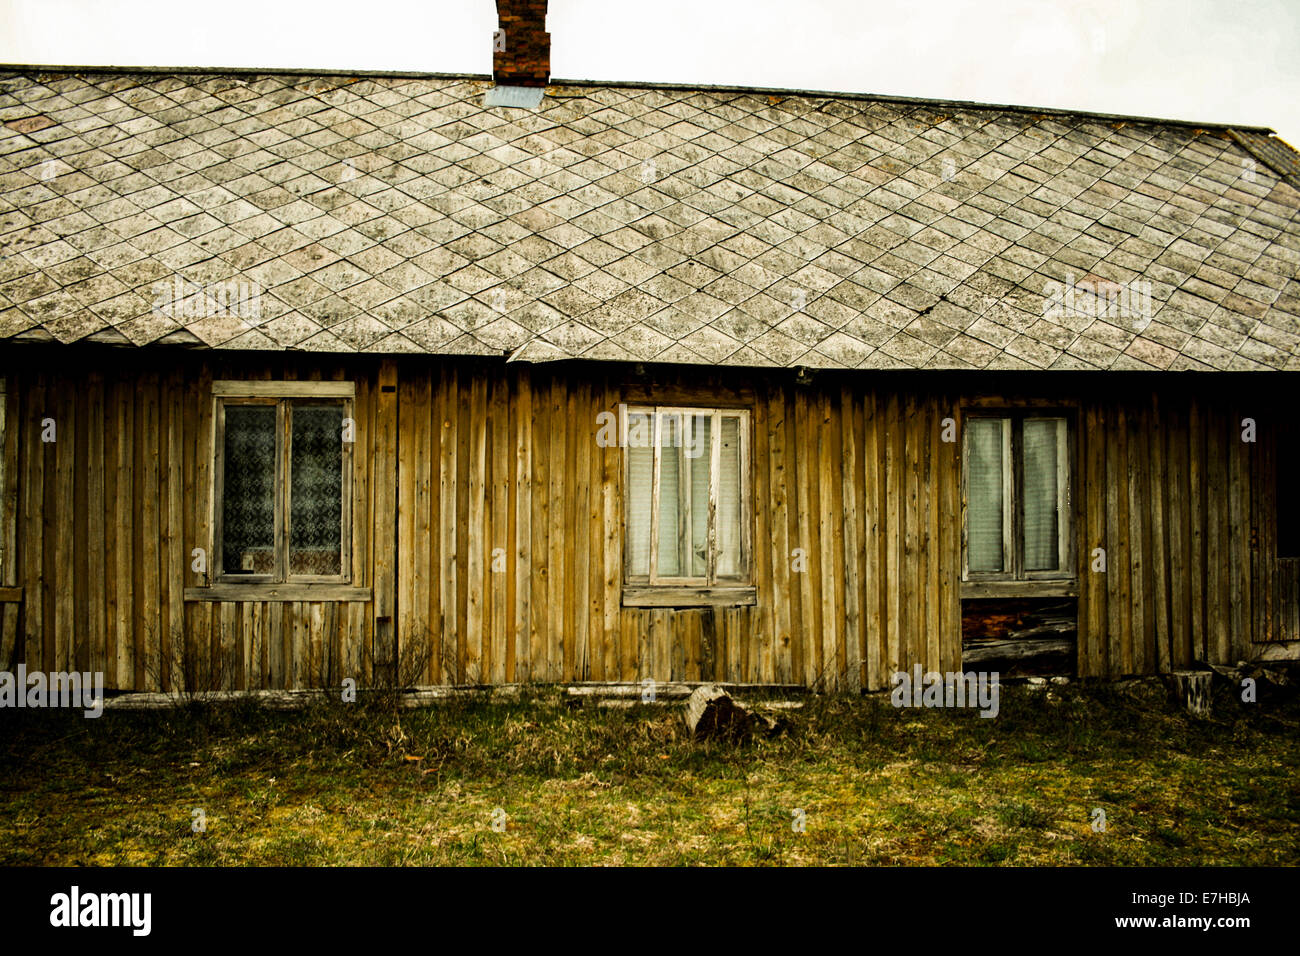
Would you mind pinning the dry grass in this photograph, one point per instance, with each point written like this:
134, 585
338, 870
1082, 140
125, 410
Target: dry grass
345, 785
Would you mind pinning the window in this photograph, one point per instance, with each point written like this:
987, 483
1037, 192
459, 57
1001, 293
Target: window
281, 482
1017, 497
687, 504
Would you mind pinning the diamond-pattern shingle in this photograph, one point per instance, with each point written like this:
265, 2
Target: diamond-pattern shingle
636, 224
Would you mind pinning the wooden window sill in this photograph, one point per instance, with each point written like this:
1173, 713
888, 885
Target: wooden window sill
278, 592
1020, 589
674, 596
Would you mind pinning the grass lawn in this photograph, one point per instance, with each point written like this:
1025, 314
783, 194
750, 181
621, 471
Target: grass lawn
339, 784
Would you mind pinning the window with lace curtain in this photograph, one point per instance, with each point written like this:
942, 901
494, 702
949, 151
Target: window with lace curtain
281, 482
1016, 472
687, 506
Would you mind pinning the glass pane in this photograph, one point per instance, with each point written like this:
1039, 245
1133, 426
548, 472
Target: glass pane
316, 489
248, 490
671, 531
984, 509
729, 479
640, 475
1042, 440
699, 458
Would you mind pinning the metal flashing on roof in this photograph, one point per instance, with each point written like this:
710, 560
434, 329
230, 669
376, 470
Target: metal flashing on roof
519, 97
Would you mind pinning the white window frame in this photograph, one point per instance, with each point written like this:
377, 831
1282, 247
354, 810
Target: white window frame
1013, 539
654, 589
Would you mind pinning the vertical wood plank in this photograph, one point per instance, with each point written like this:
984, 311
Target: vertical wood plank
1198, 477
783, 589
1239, 453
1095, 618
408, 599
873, 541
11, 641
85, 474
761, 555
1158, 530
1123, 558
476, 529
596, 531
423, 548
1216, 557
384, 491
571, 584
147, 532
556, 534
124, 559
830, 544
611, 495
932, 494
65, 556
1175, 493
176, 555
893, 492
1138, 540
541, 520
911, 619
805, 626
501, 608
523, 551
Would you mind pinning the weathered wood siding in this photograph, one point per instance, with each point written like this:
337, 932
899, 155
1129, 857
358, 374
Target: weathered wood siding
487, 522
1183, 507
510, 515
107, 516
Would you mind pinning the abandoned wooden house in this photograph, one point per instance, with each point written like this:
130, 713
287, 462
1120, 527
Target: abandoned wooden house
526, 380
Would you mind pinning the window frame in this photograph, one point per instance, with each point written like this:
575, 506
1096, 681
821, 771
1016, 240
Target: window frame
655, 590
281, 396
1065, 576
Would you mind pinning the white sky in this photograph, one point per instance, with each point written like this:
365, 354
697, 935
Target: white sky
1230, 61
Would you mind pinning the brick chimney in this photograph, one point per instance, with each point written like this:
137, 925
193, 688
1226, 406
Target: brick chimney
521, 48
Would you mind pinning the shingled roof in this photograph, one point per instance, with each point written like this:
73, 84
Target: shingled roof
707, 226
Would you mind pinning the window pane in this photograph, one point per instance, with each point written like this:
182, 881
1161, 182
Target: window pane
699, 458
640, 475
1042, 437
670, 495
316, 489
248, 490
729, 479
984, 509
